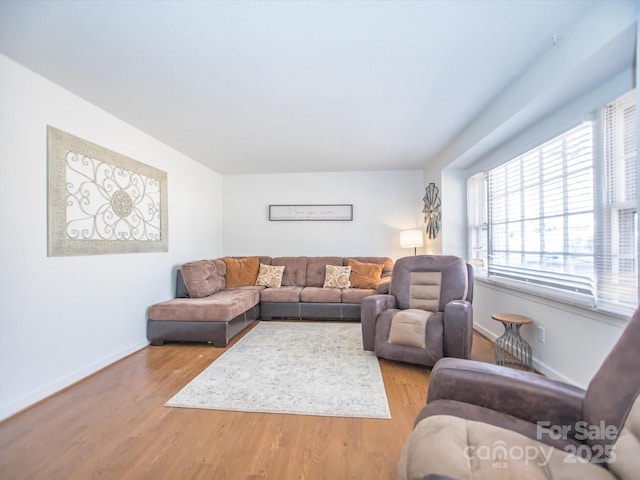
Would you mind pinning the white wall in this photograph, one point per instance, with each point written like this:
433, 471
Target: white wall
577, 340
589, 67
384, 203
63, 318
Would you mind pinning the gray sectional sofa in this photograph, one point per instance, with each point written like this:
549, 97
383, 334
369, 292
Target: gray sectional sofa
216, 299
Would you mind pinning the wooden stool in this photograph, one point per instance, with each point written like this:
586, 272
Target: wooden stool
511, 349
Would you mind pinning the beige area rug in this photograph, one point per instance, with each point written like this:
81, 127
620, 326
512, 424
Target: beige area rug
305, 368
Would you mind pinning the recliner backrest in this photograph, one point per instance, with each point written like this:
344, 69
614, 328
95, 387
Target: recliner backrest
610, 403
414, 286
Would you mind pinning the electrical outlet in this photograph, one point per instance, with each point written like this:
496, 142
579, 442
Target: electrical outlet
542, 334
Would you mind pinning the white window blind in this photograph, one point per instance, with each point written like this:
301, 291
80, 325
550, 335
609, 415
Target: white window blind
541, 219
617, 264
561, 219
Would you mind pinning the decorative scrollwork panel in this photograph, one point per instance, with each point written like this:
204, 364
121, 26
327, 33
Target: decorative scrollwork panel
101, 201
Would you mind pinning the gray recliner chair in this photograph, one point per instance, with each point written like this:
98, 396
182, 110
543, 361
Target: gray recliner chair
427, 313
488, 421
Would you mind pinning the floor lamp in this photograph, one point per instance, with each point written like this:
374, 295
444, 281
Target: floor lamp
411, 238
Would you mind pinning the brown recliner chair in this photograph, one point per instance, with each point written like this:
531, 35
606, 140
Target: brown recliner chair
427, 313
487, 421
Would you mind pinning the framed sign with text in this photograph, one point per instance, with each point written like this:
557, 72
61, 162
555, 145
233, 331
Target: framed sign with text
335, 212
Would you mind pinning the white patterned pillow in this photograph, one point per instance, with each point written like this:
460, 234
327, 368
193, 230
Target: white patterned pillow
337, 277
270, 276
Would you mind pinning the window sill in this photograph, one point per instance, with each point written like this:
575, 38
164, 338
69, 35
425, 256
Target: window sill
597, 315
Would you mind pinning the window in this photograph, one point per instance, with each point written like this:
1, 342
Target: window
617, 256
477, 223
561, 219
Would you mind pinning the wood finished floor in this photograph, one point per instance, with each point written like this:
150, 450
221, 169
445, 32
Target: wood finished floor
114, 425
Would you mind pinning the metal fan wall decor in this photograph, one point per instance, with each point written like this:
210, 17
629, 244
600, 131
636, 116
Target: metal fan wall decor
432, 216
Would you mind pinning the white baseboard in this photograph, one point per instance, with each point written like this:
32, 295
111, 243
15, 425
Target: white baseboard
16, 405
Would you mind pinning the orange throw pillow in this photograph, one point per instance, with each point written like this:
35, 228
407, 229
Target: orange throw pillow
364, 275
241, 272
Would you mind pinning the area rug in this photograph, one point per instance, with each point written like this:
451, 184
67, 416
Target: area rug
305, 368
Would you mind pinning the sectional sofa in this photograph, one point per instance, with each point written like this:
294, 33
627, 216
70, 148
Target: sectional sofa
216, 299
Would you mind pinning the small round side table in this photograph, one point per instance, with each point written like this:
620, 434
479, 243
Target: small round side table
511, 349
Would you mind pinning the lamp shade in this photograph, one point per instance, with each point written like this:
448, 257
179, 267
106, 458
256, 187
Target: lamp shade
411, 239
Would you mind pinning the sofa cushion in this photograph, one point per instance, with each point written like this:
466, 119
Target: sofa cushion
270, 276
336, 277
355, 295
221, 306
281, 295
320, 295
466, 450
295, 270
317, 267
204, 277
241, 271
364, 275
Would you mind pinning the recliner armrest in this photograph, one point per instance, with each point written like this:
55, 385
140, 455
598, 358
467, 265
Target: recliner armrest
458, 329
525, 395
370, 308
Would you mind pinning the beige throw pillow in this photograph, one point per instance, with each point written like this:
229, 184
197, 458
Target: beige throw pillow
270, 276
336, 277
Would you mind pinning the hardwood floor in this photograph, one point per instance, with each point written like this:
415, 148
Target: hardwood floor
114, 425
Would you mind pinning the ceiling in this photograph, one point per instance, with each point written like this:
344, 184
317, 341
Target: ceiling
282, 86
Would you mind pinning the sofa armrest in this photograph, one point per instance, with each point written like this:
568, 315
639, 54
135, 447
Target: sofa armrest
521, 394
181, 288
383, 285
458, 329
370, 308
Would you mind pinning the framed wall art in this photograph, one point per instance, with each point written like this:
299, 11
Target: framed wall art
340, 212
101, 202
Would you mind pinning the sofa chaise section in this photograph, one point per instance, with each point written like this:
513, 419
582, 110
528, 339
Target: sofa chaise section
216, 318
204, 310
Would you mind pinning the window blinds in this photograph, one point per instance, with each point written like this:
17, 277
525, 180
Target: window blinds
616, 259
561, 219
541, 218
